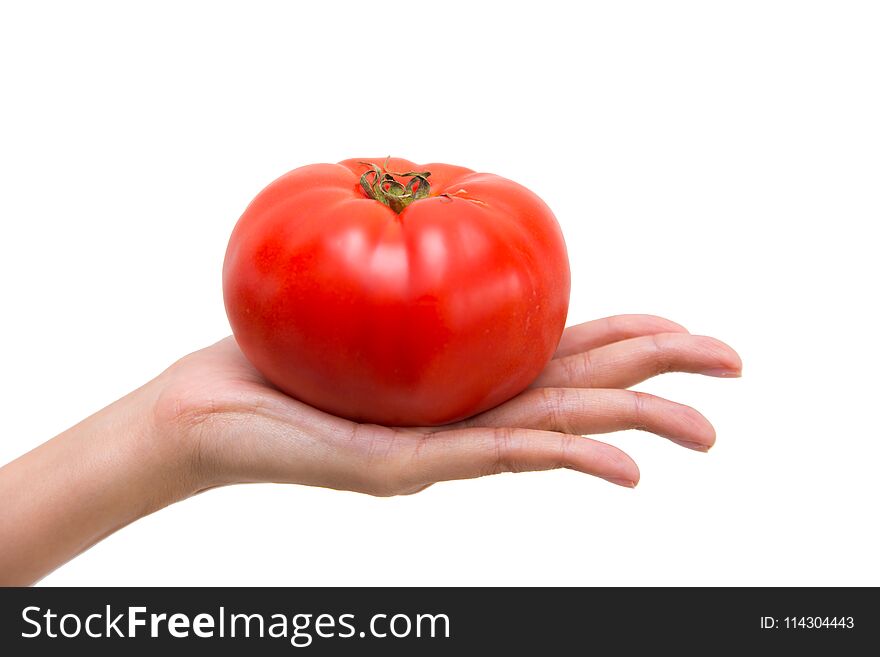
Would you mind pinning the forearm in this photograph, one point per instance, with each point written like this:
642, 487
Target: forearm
84, 484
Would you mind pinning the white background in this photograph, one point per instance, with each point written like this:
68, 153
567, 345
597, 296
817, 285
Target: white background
715, 163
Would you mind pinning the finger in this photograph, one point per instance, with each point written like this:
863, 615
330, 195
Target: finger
628, 362
475, 452
600, 332
599, 410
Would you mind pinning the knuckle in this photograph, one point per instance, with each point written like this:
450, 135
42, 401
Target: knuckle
395, 468
503, 461
567, 446
660, 355
577, 369
640, 401
553, 409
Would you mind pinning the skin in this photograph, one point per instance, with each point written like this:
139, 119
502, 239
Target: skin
211, 420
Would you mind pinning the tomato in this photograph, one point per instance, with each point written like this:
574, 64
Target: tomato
413, 298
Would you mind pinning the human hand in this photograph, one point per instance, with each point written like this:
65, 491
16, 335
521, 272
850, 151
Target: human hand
231, 426
211, 420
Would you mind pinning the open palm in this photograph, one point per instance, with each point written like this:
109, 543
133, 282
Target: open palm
239, 428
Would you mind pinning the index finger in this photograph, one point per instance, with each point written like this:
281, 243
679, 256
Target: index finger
601, 332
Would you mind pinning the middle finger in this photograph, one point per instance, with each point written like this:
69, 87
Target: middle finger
580, 411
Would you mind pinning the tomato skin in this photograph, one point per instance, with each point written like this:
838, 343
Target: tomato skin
413, 319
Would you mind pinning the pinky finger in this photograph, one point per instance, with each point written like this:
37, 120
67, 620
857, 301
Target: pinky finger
475, 452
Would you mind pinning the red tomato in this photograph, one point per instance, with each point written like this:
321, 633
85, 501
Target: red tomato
414, 298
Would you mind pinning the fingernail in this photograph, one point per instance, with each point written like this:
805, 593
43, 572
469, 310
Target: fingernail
723, 373
697, 447
626, 483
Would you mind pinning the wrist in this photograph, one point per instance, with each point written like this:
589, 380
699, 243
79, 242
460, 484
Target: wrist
181, 426
161, 447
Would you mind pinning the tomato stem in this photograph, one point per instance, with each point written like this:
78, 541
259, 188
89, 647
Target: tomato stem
382, 185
